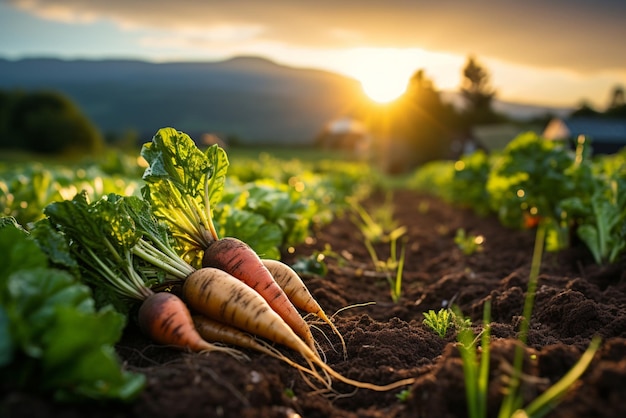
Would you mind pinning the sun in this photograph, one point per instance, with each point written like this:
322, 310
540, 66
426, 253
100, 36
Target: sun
383, 89
384, 73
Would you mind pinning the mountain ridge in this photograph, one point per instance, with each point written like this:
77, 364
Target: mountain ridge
251, 98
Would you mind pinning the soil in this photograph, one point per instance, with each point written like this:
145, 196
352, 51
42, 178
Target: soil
388, 341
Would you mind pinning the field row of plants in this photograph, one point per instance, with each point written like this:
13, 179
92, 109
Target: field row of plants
88, 244
579, 198
288, 197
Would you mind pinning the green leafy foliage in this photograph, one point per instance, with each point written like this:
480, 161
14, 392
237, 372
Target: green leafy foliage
253, 229
600, 222
121, 247
313, 264
534, 180
26, 189
380, 227
282, 210
469, 183
183, 184
40, 310
269, 206
530, 177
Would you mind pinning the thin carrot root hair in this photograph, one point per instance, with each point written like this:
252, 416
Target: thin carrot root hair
165, 318
215, 331
299, 294
241, 261
218, 295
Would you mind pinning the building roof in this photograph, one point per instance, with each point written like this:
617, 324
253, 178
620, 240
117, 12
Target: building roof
495, 137
598, 129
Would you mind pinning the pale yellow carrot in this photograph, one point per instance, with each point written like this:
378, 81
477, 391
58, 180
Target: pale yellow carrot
298, 293
219, 296
238, 259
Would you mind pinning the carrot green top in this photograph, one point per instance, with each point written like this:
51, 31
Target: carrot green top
121, 247
182, 185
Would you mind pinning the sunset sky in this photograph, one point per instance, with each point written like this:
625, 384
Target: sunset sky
556, 52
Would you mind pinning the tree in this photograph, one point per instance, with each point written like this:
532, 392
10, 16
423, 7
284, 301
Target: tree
5, 105
477, 91
416, 128
617, 97
431, 121
617, 107
585, 109
49, 123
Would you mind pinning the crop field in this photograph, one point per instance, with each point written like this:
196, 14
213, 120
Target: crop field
188, 282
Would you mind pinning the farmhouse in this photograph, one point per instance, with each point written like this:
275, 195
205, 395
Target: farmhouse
607, 136
345, 134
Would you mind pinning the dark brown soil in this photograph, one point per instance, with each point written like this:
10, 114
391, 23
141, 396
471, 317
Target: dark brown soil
387, 341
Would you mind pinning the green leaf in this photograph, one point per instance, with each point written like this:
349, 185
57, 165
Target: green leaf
173, 155
18, 253
263, 237
54, 245
75, 218
31, 299
10, 222
84, 363
219, 166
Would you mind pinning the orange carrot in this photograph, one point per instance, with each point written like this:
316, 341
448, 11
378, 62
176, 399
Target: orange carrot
298, 294
218, 295
165, 318
238, 259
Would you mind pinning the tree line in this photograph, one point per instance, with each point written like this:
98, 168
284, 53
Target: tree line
424, 126
45, 122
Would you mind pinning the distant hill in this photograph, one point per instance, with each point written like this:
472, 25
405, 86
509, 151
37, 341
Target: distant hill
251, 98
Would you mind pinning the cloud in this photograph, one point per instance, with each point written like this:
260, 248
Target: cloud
578, 35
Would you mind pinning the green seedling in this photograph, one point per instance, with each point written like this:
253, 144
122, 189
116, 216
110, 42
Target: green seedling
288, 392
469, 244
381, 228
476, 371
316, 262
395, 283
439, 321
403, 395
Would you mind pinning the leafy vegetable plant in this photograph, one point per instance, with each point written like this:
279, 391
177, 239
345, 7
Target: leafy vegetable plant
531, 178
183, 184
535, 180
41, 309
601, 221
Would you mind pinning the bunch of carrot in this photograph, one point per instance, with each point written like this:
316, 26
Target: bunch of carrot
231, 297
233, 285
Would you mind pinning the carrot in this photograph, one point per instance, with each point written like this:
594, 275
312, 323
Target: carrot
238, 259
218, 295
298, 294
165, 318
